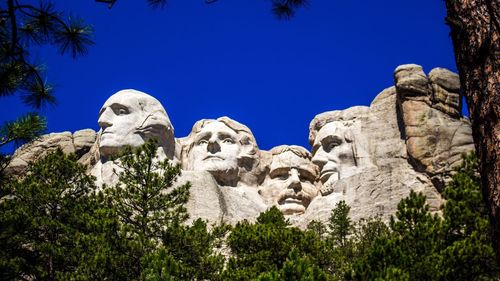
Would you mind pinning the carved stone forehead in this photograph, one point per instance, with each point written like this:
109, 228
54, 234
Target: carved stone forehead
334, 128
134, 98
140, 102
216, 127
292, 157
345, 117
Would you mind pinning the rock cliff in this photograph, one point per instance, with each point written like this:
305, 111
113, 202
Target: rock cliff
410, 138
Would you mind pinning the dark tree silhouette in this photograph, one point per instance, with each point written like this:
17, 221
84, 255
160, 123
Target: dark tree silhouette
475, 31
283, 9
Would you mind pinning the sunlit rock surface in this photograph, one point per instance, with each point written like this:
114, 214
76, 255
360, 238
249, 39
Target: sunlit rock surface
410, 138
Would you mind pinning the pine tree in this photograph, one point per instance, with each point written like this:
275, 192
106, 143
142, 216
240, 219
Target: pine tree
421, 246
282, 9
45, 223
188, 253
272, 249
340, 225
23, 27
475, 33
466, 230
339, 240
146, 203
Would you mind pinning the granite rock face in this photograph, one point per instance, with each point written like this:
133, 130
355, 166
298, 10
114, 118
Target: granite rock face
436, 135
78, 143
410, 138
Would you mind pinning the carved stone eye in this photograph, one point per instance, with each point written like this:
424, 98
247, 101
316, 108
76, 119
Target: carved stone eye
228, 140
122, 111
202, 142
281, 176
331, 146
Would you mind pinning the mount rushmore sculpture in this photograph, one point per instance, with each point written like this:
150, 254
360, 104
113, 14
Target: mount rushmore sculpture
409, 138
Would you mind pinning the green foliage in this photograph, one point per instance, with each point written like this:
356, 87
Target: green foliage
421, 246
263, 248
25, 26
466, 230
285, 9
144, 198
282, 9
296, 268
187, 253
22, 130
317, 228
259, 247
145, 202
340, 224
56, 225
44, 226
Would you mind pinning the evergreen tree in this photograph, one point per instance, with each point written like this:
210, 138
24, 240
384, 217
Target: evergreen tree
188, 252
339, 241
340, 225
282, 9
421, 246
146, 204
466, 231
296, 268
45, 223
23, 27
272, 249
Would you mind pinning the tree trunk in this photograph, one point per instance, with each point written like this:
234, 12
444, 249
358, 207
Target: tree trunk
475, 27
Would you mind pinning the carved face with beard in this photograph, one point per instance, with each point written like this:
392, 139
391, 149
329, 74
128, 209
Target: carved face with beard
291, 182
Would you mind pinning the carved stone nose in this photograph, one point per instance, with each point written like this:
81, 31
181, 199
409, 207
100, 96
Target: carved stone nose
105, 120
319, 159
295, 183
213, 147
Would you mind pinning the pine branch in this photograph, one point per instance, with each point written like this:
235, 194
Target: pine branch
22, 130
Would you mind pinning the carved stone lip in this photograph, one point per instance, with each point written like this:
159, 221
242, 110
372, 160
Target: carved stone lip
291, 198
104, 133
291, 201
213, 157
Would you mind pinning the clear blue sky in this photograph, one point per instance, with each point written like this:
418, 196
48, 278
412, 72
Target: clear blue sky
234, 58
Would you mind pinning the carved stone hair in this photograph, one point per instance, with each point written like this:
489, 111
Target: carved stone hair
157, 116
352, 119
346, 117
295, 149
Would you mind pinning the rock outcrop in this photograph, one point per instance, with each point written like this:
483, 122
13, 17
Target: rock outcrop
436, 135
78, 143
410, 138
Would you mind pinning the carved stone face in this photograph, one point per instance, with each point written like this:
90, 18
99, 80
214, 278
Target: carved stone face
129, 118
333, 152
290, 184
215, 149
